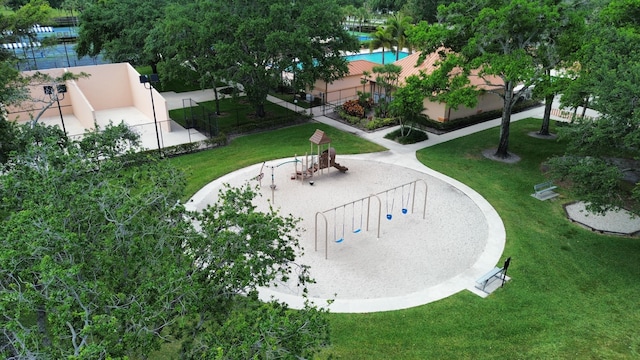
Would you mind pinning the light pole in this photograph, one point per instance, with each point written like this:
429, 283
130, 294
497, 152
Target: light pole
54, 94
150, 79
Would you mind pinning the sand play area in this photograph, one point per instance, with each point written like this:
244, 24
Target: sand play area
408, 256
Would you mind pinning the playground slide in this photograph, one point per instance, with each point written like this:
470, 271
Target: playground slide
340, 167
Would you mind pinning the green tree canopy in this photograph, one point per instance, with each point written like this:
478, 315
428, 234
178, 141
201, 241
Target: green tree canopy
609, 73
252, 43
496, 40
99, 259
398, 26
407, 104
560, 54
426, 10
386, 5
118, 30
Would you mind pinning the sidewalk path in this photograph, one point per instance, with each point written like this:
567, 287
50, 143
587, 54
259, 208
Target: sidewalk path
431, 285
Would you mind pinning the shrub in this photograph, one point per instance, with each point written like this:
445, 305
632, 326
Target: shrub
479, 118
377, 123
228, 90
414, 136
365, 100
353, 108
353, 120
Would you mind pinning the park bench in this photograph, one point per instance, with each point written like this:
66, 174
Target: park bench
495, 273
544, 191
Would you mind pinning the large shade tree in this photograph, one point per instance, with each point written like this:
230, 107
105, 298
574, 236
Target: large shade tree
100, 260
185, 44
423, 9
599, 152
253, 43
559, 55
495, 40
118, 29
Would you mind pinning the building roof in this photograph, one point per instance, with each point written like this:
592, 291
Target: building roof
319, 138
411, 67
357, 67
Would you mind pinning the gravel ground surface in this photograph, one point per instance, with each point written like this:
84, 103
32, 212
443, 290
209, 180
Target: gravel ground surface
418, 256
619, 222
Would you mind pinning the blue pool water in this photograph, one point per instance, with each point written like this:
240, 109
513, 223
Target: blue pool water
376, 57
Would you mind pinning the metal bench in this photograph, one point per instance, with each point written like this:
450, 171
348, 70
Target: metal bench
544, 191
495, 273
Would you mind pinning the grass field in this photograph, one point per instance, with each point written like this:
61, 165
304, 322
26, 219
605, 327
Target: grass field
236, 115
205, 166
574, 293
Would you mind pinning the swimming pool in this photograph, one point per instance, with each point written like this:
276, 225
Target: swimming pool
376, 57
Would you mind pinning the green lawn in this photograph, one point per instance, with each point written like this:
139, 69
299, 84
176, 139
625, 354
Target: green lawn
302, 103
574, 293
236, 115
205, 166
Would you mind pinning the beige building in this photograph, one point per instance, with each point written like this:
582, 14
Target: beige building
346, 88
111, 93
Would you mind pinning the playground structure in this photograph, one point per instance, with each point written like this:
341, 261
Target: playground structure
341, 211
415, 261
326, 157
310, 165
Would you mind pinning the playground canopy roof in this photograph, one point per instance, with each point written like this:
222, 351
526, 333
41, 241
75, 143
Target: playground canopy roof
319, 138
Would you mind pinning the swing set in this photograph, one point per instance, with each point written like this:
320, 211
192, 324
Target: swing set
343, 209
407, 197
407, 200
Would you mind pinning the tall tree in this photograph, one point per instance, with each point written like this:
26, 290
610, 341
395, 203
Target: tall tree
255, 42
609, 72
98, 259
363, 14
495, 40
407, 104
398, 25
423, 9
559, 54
386, 6
387, 77
185, 43
118, 30
382, 38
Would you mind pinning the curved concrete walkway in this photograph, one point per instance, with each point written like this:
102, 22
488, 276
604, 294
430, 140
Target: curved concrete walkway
403, 156
431, 286
416, 260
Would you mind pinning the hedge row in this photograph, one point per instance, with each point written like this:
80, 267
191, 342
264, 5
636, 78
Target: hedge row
476, 119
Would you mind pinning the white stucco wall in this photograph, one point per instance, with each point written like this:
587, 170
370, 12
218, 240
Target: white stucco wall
109, 86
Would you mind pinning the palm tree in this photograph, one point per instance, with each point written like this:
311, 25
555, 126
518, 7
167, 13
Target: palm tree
362, 13
382, 37
398, 25
348, 12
